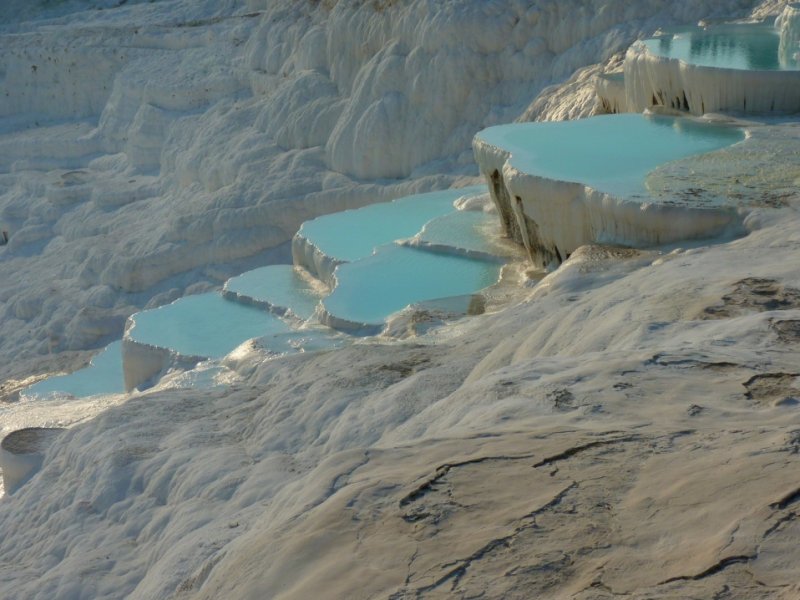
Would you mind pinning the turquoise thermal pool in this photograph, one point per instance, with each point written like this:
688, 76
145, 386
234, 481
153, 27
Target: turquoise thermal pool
382, 278
354, 234
468, 230
280, 286
753, 47
203, 325
371, 289
609, 153
102, 376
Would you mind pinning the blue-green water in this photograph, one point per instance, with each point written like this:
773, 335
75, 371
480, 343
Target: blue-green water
371, 289
610, 153
279, 285
203, 325
102, 376
354, 234
464, 229
748, 46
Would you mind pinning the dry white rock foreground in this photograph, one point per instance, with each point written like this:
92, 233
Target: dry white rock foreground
630, 429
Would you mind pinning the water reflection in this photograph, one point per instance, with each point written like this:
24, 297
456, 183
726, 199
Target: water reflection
748, 47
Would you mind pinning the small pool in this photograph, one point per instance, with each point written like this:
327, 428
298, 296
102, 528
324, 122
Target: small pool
371, 289
354, 234
281, 286
468, 230
102, 376
753, 47
610, 153
203, 325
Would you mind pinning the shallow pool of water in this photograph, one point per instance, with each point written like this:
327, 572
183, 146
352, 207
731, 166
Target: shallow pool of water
468, 230
610, 153
281, 286
102, 376
371, 289
752, 47
354, 234
203, 325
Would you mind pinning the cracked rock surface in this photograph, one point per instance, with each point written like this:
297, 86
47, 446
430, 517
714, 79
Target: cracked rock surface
601, 439
629, 430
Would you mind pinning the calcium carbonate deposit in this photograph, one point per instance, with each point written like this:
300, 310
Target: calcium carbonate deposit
622, 424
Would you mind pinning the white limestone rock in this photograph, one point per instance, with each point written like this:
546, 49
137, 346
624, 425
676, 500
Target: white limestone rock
22, 453
788, 24
660, 81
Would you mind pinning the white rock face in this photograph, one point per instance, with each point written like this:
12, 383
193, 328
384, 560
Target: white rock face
308, 256
788, 24
610, 90
660, 81
553, 218
143, 364
632, 379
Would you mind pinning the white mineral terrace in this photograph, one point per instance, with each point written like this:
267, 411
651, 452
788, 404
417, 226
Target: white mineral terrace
561, 185
743, 68
369, 290
442, 246
624, 425
286, 290
320, 245
788, 24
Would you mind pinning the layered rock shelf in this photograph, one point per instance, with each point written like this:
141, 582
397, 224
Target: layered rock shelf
320, 245
367, 264
371, 289
623, 422
558, 186
285, 290
742, 68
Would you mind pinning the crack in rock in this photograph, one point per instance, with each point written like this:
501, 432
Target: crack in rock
717, 567
442, 470
599, 585
786, 500
754, 294
663, 359
552, 504
566, 454
777, 524
464, 564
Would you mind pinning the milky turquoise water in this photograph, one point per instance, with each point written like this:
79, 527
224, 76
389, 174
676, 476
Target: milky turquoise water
354, 234
203, 325
102, 376
746, 46
610, 153
280, 286
469, 230
371, 289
